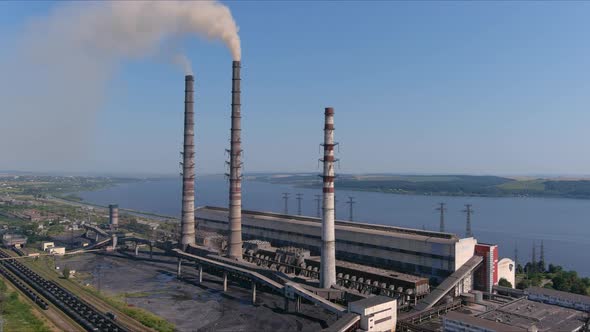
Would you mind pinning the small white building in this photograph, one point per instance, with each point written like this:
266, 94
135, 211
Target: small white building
378, 313
57, 250
47, 245
507, 270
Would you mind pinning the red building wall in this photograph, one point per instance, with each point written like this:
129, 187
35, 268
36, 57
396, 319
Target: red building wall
486, 276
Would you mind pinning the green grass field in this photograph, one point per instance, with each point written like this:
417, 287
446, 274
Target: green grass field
16, 314
143, 316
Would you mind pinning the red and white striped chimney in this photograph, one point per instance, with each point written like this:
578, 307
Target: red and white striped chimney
328, 263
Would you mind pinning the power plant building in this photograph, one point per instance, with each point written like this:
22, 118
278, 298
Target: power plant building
418, 252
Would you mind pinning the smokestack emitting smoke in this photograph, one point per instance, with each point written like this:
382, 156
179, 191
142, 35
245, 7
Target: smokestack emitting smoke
188, 167
235, 166
131, 29
182, 61
328, 259
85, 42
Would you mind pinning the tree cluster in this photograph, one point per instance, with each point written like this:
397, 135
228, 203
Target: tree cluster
567, 281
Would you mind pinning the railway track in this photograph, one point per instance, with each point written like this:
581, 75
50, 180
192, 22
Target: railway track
81, 312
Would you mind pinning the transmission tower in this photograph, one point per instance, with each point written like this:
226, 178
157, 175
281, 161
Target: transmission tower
286, 199
442, 210
468, 211
350, 203
318, 200
515, 255
299, 199
534, 262
542, 258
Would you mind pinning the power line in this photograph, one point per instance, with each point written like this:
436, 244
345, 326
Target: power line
318, 200
534, 262
299, 199
542, 257
286, 207
350, 203
469, 211
442, 210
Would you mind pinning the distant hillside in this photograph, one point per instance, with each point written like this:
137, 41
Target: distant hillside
450, 185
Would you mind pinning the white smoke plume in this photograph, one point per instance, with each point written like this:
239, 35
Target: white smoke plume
182, 61
54, 78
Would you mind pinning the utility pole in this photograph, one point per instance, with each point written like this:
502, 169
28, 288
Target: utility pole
350, 202
318, 200
286, 198
299, 198
442, 210
468, 210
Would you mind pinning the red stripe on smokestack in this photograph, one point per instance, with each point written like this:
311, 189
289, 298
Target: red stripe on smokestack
235, 177
188, 166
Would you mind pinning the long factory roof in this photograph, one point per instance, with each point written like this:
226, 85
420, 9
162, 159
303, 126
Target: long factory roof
482, 323
221, 214
576, 298
526, 313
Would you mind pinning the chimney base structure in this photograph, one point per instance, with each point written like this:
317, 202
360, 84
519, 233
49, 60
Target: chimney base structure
328, 259
188, 167
235, 168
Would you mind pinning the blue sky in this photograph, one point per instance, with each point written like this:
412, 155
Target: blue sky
418, 87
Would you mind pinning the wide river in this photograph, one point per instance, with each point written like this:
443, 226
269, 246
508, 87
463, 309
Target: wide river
562, 224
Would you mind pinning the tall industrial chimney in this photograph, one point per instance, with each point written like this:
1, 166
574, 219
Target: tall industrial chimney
328, 263
235, 166
114, 216
188, 167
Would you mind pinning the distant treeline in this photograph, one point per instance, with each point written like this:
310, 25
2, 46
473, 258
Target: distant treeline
456, 185
452, 185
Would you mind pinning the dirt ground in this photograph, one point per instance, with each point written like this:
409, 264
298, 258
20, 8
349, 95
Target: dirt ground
191, 307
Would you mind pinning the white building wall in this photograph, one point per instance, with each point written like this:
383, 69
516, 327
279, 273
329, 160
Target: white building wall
507, 270
378, 318
57, 250
46, 245
464, 250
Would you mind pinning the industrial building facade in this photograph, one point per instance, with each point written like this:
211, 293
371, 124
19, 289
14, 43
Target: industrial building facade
424, 253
